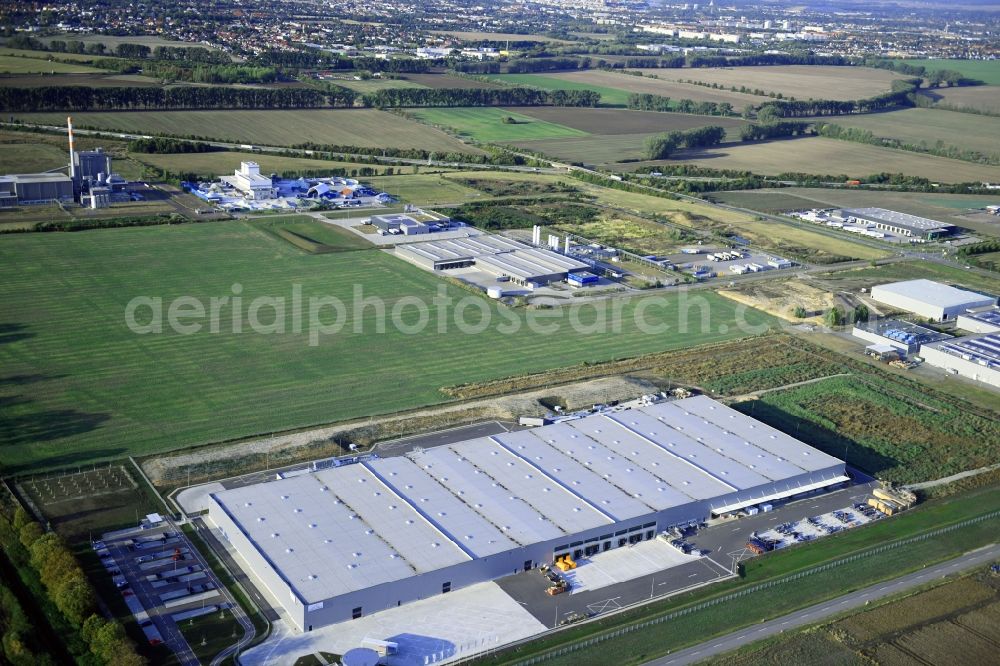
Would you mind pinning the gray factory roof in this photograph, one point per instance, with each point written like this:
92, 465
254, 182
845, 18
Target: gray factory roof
904, 220
352, 527
930, 292
36, 178
981, 349
991, 316
495, 252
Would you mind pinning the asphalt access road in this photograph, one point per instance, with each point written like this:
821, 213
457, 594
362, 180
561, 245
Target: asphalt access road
821, 611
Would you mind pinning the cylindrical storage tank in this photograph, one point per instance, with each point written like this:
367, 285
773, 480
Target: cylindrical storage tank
360, 657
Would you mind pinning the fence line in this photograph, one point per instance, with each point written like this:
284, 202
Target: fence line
616, 633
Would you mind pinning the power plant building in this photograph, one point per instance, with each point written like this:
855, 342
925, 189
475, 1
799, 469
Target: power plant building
933, 300
352, 540
35, 188
247, 179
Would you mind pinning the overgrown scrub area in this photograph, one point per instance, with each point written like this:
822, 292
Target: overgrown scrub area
887, 426
513, 214
515, 188
725, 369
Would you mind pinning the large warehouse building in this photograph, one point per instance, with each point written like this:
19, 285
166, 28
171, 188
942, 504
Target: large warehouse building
522, 264
976, 357
900, 224
33, 188
933, 300
337, 544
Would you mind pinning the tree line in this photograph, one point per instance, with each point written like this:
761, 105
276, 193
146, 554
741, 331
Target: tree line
935, 78
163, 145
80, 98
650, 102
44, 557
661, 146
939, 148
510, 96
830, 107
774, 130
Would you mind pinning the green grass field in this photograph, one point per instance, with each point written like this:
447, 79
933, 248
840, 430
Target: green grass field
329, 235
10, 64
609, 96
347, 127
31, 157
987, 71
79, 385
486, 124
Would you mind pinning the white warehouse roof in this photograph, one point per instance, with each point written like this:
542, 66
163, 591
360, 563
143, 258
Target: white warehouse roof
352, 527
931, 293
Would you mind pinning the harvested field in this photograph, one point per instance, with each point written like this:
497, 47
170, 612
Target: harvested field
945, 643
930, 127
112, 41
487, 124
664, 85
979, 98
624, 121
821, 156
984, 621
798, 81
347, 127
448, 81
915, 610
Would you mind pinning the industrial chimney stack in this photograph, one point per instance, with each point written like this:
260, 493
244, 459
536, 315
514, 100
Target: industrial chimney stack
72, 152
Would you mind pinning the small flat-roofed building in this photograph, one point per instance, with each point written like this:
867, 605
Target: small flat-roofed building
247, 179
933, 300
882, 351
986, 320
903, 336
33, 188
351, 540
976, 357
900, 224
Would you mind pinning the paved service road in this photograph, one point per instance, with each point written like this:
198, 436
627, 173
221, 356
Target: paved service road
814, 614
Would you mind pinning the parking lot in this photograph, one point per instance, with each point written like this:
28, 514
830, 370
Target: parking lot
164, 581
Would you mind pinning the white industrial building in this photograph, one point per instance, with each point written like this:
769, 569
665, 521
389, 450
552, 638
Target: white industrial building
352, 540
247, 179
521, 264
976, 357
933, 300
986, 320
900, 224
903, 336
